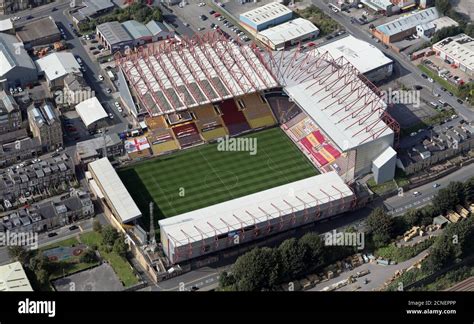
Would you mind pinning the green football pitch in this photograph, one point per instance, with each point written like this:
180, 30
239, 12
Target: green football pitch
205, 175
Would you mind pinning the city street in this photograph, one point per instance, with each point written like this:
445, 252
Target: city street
400, 204
402, 63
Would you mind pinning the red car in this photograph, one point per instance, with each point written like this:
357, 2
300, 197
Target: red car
310, 44
216, 15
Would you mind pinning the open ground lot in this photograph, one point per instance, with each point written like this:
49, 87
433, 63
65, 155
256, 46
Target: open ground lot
101, 278
205, 175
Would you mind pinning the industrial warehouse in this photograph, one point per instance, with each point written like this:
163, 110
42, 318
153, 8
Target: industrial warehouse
182, 87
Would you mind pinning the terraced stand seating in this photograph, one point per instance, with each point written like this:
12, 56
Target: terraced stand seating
160, 137
209, 123
187, 135
315, 143
283, 110
233, 118
257, 111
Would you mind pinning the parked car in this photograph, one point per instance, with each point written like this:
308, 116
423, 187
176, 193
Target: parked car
424, 76
52, 234
212, 12
460, 101
416, 193
203, 17
101, 77
436, 185
73, 227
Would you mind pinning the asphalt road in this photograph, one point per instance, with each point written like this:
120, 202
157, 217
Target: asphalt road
402, 63
398, 205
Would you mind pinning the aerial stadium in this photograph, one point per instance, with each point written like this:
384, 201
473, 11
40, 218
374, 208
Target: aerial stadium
319, 123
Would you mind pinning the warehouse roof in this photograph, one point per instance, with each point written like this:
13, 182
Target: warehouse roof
11, 56
459, 48
288, 31
13, 278
136, 30
40, 28
156, 27
364, 56
114, 32
57, 65
114, 190
93, 7
255, 208
90, 111
408, 21
266, 13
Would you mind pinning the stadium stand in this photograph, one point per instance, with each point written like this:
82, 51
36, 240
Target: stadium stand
187, 134
160, 137
209, 123
233, 118
283, 110
257, 111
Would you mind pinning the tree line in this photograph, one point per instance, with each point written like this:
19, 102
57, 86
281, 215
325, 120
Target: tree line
265, 268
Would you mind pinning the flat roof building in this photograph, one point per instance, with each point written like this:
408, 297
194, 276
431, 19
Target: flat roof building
42, 31
91, 111
400, 28
460, 50
114, 36
288, 33
365, 57
16, 66
13, 278
266, 16
116, 195
57, 66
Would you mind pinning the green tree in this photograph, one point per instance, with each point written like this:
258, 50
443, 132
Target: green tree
292, 256
19, 253
109, 235
469, 191
256, 270
469, 30
315, 250
412, 217
442, 254
449, 197
96, 226
443, 6
42, 276
226, 281
120, 246
88, 256
379, 223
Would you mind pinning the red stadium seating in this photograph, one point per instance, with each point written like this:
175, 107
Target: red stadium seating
319, 137
321, 160
331, 150
233, 118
